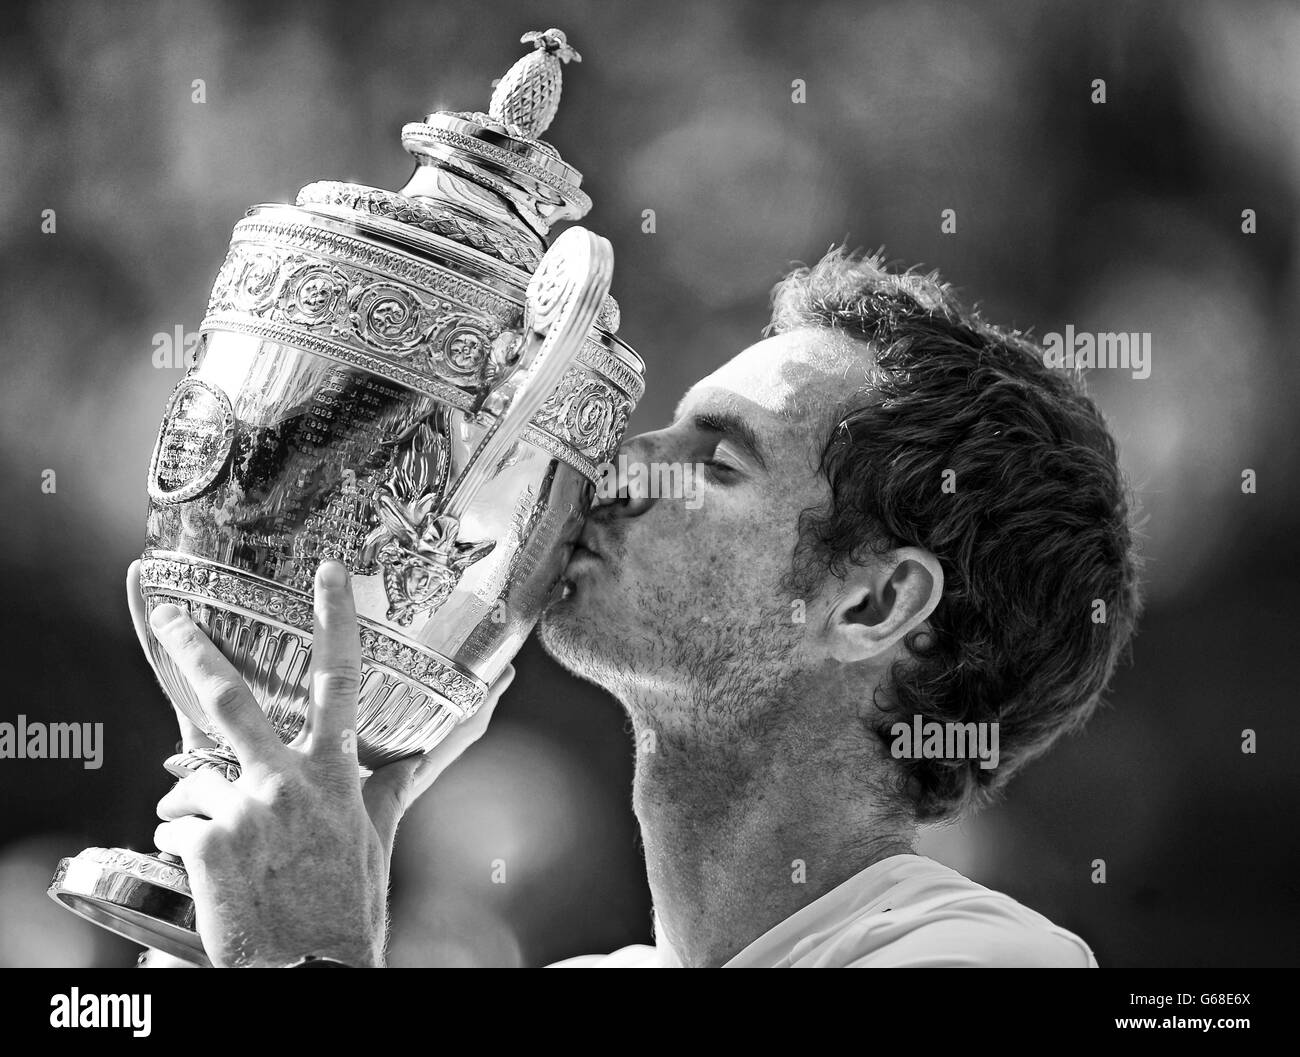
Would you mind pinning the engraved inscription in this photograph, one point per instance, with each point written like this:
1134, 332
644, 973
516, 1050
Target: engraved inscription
193, 444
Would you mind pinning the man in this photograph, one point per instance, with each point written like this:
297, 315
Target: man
907, 521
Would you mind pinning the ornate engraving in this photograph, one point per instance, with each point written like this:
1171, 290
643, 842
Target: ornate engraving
258, 278
548, 287
138, 864
383, 325
193, 443
312, 292
421, 132
606, 363
548, 443
499, 243
299, 338
442, 290
387, 317
422, 558
346, 314
463, 347
586, 413
255, 232
183, 580
220, 759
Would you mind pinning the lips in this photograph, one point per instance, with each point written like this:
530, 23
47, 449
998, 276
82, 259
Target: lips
581, 556
584, 553
587, 542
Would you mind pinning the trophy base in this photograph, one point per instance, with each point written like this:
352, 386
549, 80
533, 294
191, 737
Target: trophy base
145, 898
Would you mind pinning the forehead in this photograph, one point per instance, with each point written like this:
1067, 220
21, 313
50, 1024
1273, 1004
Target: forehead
788, 377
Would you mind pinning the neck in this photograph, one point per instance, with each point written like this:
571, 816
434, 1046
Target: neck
743, 829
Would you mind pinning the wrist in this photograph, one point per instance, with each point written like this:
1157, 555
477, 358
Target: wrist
335, 955
315, 961
353, 955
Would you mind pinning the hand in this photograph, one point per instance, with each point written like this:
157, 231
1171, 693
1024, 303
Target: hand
292, 858
426, 768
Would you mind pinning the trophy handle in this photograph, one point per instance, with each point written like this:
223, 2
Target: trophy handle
563, 299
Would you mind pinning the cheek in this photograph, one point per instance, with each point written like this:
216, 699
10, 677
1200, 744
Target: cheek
723, 559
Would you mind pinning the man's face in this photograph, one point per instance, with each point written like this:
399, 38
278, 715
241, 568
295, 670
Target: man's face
684, 598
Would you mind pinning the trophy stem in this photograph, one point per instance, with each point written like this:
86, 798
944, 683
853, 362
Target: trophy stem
143, 897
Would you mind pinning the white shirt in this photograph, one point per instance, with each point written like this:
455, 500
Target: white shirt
904, 911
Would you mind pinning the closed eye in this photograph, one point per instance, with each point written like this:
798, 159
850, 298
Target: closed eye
730, 430
719, 469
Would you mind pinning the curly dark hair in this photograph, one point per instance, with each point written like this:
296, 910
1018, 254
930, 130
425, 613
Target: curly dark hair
1037, 529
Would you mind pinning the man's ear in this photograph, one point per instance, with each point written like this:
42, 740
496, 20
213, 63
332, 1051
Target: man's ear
877, 604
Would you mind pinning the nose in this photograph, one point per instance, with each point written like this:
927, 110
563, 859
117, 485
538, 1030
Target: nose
624, 493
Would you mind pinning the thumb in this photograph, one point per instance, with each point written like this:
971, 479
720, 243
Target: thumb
387, 794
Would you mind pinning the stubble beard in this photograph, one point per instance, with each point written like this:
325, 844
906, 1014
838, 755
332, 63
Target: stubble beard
692, 682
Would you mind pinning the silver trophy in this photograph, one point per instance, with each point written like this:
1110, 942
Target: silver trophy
409, 382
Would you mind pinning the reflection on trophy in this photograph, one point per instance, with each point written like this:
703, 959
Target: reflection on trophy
411, 383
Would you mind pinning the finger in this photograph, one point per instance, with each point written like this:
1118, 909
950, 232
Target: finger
181, 837
203, 793
192, 736
221, 693
387, 794
335, 667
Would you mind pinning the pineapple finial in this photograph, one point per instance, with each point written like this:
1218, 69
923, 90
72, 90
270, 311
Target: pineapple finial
528, 96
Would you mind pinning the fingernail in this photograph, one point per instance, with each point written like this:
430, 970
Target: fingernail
332, 574
165, 614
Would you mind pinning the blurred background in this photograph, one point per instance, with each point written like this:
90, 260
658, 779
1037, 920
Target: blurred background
1126, 215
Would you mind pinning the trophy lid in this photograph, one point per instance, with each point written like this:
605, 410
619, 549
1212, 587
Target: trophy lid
505, 143
485, 180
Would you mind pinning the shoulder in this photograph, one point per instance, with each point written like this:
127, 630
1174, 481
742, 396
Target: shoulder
966, 942
636, 956
933, 916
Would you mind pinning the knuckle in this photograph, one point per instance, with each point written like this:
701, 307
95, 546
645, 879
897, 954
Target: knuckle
167, 809
281, 792
225, 697
185, 637
339, 681
165, 801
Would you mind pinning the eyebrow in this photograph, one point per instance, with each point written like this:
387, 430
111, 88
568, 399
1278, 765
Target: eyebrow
733, 426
